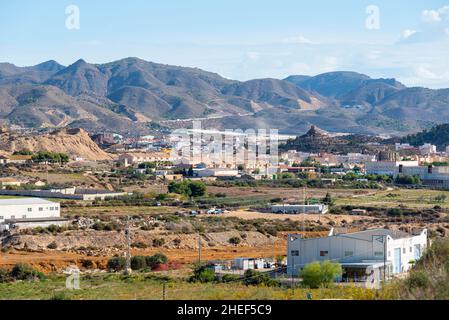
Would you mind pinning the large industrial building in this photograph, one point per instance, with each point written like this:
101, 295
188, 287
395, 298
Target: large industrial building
365, 256
29, 212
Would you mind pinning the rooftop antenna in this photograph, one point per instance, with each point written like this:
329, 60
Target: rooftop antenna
304, 211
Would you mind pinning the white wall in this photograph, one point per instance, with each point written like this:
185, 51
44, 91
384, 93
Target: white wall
29, 211
364, 246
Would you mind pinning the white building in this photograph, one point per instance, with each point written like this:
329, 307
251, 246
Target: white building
387, 167
363, 255
215, 172
403, 146
300, 208
248, 263
430, 175
427, 148
30, 212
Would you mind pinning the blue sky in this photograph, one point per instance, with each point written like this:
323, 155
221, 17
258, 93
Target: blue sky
238, 39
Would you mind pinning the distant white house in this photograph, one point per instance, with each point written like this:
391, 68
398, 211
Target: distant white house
364, 255
215, 172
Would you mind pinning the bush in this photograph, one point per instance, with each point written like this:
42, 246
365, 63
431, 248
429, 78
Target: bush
235, 240
230, 278
316, 274
138, 263
256, 278
25, 272
4, 276
52, 245
139, 245
203, 274
156, 260
117, 264
158, 242
418, 279
188, 188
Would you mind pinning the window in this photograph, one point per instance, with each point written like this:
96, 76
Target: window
51, 208
389, 254
404, 251
295, 253
324, 253
378, 254
411, 249
24, 216
30, 209
56, 208
349, 253
41, 209
2, 217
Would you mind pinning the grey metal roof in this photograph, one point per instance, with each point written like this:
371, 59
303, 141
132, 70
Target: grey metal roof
25, 201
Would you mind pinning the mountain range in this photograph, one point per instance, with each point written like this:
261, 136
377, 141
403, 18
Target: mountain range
127, 95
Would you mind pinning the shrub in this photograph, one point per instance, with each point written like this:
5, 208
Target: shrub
256, 278
418, 279
202, 274
156, 260
117, 264
316, 274
4, 276
139, 245
138, 263
25, 272
158, 242
52, 245
230, 278
235, 240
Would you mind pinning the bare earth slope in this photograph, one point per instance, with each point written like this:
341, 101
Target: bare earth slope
74, 142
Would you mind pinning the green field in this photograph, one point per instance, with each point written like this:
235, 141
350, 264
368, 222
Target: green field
146, 287
411, 198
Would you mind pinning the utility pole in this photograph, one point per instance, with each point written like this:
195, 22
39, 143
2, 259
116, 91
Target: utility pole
304, 211
128, 248
199, 247
385, 259
164, 291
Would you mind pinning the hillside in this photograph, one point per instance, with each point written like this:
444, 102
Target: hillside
126, 95
318, 141
74, 142
438, 136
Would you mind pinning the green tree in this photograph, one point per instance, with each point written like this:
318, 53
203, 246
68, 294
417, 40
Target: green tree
316, 274
138, 263
188, 188
203, 274
328, 199
156, 260
117, 264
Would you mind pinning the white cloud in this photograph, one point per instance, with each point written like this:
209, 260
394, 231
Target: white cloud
253, 55
431, 16
436, 15
298, 40
425, 73
408, 33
